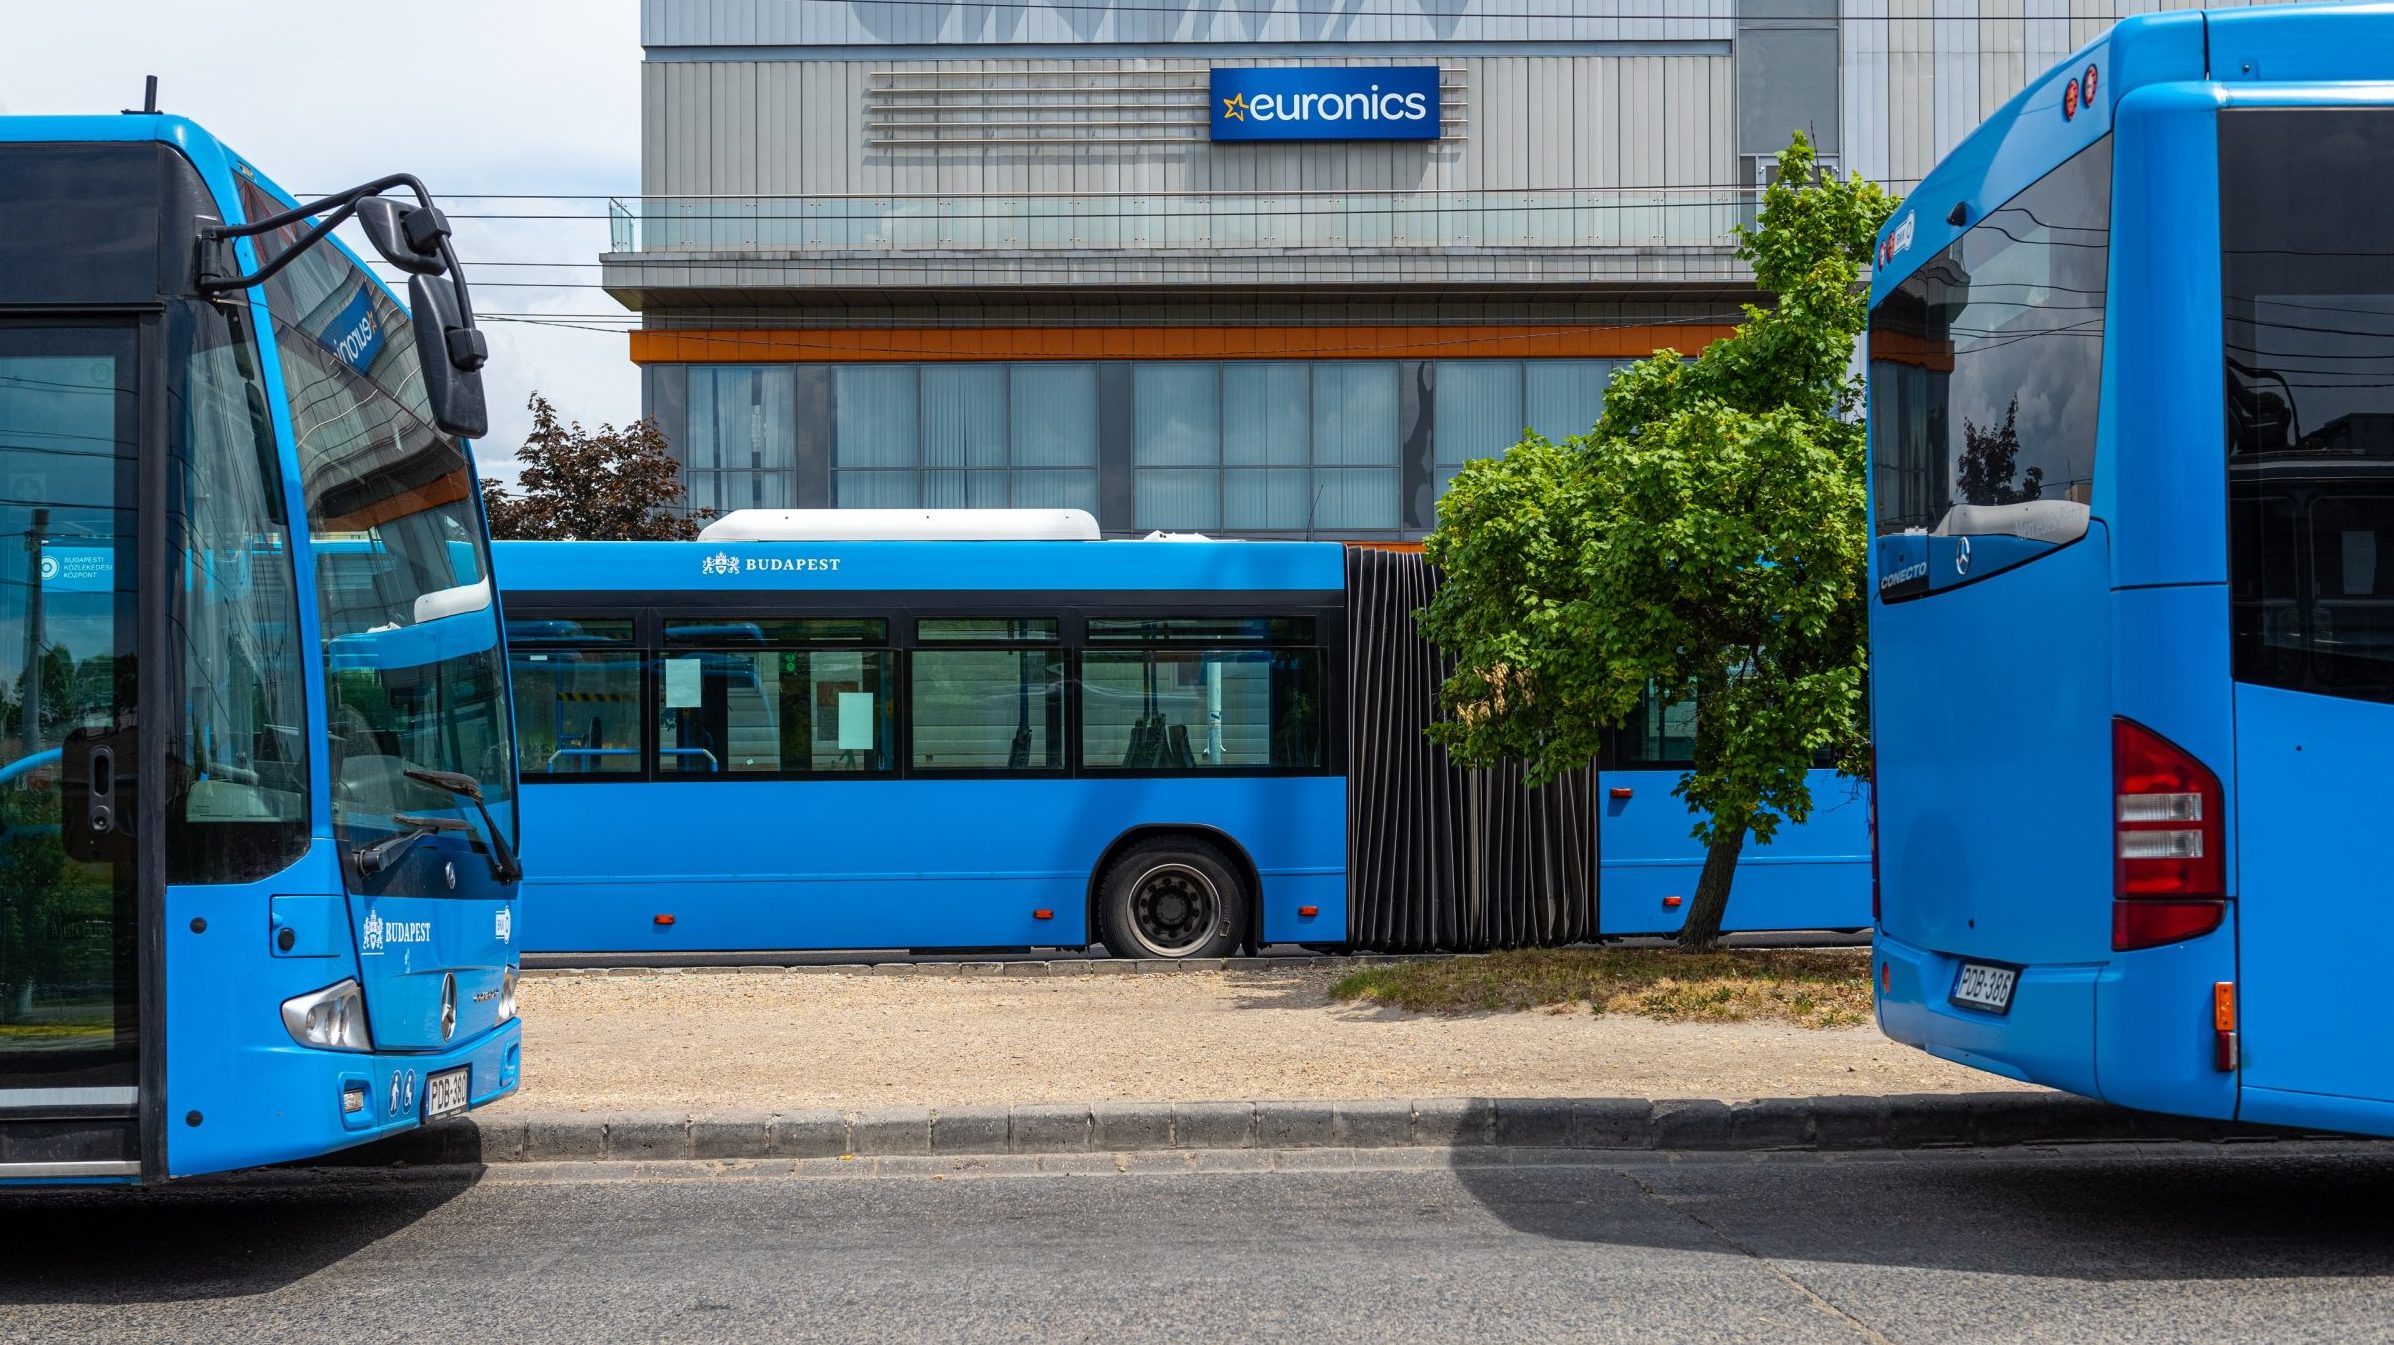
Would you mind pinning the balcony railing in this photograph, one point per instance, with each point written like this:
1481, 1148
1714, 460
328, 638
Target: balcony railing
1182, 221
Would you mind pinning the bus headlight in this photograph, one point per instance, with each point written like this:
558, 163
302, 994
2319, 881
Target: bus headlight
507, 995
331, 1019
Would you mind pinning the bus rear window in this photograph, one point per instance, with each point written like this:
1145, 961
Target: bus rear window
1985, 373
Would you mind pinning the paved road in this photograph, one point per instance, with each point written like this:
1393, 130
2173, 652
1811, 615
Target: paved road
2251, 1242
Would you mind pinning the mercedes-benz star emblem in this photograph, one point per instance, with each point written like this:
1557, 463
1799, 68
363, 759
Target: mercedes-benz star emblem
1961, 557
448, 1005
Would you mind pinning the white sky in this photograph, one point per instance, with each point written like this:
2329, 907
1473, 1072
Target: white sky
496, 96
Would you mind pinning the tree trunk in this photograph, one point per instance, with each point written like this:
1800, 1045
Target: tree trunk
1702, 932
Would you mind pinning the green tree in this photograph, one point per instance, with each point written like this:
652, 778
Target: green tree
1705, 539
591, 485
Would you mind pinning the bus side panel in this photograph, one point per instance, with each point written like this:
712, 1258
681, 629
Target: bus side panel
2154, 1043
2317, 902
755, 864
1813, 876
2164, 466
239, 1090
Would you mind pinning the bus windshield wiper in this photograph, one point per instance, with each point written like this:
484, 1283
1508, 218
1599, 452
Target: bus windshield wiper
503, 865
376, 856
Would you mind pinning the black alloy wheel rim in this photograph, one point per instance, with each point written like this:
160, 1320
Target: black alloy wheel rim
1173, 910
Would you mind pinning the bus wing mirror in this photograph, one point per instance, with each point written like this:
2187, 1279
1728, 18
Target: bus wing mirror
408, 237
452, 353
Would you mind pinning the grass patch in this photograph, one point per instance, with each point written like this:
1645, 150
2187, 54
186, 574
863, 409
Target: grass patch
1804, 986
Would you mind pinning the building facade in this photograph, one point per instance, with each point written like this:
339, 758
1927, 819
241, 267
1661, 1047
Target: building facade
1265, 268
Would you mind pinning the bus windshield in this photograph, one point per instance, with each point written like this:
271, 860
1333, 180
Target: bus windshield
413, 675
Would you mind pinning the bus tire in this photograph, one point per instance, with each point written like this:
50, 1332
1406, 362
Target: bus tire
1172, 898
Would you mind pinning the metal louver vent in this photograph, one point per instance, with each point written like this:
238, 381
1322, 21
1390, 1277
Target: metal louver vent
960, 109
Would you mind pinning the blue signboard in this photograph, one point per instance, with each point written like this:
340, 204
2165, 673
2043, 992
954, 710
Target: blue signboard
78, 569
354, 335
1326, 102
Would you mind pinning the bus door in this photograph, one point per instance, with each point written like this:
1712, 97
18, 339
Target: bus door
70, 1026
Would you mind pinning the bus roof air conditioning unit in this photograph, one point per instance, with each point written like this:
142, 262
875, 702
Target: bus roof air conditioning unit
902, 525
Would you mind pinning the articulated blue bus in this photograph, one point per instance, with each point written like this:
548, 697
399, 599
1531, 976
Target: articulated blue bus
2132, 634
1175, 748
256, 829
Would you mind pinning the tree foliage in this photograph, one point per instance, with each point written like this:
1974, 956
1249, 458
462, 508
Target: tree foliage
1991, 458
1705, 539
591, 485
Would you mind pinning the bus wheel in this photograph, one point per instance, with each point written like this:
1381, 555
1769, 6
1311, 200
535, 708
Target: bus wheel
1172, 899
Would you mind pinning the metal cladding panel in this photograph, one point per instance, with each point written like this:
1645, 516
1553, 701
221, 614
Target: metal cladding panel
1581, 120
710, 23
1440, 857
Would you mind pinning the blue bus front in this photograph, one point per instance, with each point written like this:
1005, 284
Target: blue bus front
2132, 421
256, 877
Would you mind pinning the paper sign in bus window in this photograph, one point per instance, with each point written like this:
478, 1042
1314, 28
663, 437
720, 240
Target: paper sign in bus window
682, 684
856, 721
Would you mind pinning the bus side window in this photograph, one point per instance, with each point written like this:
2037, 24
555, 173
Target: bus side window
774, 711
1168, 710
998, 706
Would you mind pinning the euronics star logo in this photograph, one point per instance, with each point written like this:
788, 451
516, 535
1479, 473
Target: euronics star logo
1234, 108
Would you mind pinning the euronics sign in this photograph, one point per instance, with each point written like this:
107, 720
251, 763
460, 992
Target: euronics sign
1325, 102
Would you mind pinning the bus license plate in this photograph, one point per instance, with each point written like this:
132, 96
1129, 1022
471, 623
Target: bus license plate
1981, 986
445, 1092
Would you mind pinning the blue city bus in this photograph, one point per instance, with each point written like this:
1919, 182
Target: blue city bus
1175, 748
2132, 629
257, 829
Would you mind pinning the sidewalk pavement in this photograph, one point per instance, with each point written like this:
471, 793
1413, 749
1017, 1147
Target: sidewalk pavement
1916, 1121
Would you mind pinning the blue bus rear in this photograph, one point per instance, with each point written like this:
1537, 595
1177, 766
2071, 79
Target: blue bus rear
255, 881
2131, 411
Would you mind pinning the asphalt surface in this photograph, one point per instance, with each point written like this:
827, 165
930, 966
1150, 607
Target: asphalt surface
2182, 1242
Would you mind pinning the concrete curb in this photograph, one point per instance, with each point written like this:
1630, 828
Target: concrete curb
1920, 1121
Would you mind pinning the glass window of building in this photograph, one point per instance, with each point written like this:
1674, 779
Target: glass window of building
1267, 438
1177, 446
1476, 412
1562, 398
742, 448
964, 436
876, 442
1055, 436
1355, 444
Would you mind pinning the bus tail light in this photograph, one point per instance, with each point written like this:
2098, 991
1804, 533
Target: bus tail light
2169, 861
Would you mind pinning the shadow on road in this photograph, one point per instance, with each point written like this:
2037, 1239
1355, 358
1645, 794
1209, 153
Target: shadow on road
2297, 1211
203, 1239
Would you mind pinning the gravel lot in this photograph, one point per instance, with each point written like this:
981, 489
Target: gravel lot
853, 1040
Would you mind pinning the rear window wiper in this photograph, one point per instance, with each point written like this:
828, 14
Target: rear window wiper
376, 856
503, 865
